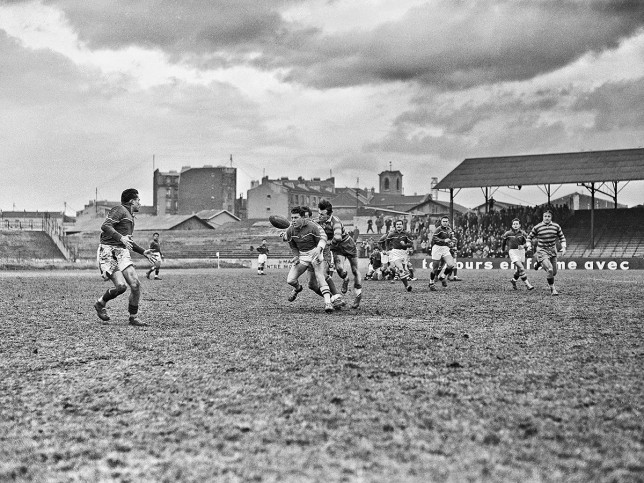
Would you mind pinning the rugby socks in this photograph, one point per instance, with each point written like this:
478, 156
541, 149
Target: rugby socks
551, 281
332, 287
132, 309
326, 294
109, 295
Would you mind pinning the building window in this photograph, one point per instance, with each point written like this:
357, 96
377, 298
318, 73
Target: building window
268, 208
398, 184
268, 197
386, 184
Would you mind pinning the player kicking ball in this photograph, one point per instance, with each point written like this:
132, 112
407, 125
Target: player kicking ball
516, 242
114, 259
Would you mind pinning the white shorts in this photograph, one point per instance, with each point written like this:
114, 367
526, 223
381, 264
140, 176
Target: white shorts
306, 258
438, 252
517, 255
112, 259
384, 259
261, 259
396, 254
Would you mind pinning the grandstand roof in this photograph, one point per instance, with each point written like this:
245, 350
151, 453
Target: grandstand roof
559, 168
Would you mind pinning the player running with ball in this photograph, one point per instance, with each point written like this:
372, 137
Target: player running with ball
113, 256
442, 242
307, 241
516, 241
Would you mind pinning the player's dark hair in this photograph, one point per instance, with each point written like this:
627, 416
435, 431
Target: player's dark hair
399, 221
547, 211
326, 205
155, 233
128, 195
516, 219
296, 210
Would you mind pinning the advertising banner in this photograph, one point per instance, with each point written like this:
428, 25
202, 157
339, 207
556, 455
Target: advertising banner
562, 263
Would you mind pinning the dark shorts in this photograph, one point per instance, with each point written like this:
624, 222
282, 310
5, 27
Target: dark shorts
345, 248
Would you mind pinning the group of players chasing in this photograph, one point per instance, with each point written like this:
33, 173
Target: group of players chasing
321, 247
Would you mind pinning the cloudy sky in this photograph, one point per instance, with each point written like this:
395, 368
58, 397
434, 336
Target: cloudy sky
92, 91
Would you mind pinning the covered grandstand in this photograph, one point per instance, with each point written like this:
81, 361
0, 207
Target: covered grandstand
597, 171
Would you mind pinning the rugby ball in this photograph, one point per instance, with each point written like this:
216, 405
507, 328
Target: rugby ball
279, 221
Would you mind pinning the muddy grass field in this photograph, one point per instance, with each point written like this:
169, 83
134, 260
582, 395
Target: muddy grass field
475, 382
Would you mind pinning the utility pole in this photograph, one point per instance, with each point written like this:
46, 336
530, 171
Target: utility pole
153, 166
231, 160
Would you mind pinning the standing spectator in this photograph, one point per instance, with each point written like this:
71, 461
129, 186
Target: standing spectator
387, 224
379, 223
369, 225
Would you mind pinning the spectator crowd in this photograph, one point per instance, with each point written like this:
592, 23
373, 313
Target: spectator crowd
479, 235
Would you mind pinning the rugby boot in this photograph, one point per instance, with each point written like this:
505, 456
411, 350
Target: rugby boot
328, 308
514, 284
553, 290
432, 287
537, 265
529, 286
136, 322
158, 278
455, 279
408, 287
443, 281
101, 311
356, 301
294, 294
345, 285
338, 303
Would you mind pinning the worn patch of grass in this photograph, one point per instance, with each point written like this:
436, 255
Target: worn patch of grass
231, 382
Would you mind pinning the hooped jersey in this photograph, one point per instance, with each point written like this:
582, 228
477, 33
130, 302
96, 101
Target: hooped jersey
330, 225
547, 235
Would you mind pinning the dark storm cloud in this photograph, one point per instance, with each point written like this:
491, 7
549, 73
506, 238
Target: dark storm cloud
462, 44
450, 44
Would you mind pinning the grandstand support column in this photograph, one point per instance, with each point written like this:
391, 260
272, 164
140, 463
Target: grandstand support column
451, 206
592, 216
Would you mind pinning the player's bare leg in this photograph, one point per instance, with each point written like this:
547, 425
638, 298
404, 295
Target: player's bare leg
119, 287
520, 273
293, 279
342, 271
320, 274
402, 274
357, 282
135, 295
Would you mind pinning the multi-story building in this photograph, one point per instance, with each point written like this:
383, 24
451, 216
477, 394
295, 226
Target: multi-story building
278, 196
165, 195
207, 188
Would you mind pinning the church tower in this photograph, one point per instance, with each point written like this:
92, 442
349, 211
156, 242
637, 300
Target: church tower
391, 182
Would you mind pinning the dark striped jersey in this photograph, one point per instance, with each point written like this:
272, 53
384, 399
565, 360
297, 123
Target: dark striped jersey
306, 237
332, 224
398, 240
514, 239
547, 236
119, 222
441, 234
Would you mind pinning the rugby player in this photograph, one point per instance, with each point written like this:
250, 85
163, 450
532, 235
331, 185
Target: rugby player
113, 256
516, 241
442, 242
397, 242
307, 241
547, 234
343, 247
262, 257
155, 247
